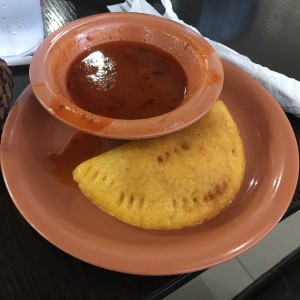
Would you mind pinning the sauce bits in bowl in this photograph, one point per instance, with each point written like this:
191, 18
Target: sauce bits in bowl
126, 75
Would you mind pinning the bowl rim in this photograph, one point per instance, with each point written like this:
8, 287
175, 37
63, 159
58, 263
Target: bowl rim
177, 119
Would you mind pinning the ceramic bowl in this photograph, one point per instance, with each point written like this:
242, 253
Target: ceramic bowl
52, 60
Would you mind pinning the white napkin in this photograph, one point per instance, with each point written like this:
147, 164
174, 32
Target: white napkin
285, 90
18, 60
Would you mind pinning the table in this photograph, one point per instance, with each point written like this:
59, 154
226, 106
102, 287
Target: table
32, 268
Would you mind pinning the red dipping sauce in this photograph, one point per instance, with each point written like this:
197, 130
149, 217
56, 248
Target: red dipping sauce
126, 80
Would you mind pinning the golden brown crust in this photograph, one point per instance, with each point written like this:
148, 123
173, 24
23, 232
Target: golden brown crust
169, 182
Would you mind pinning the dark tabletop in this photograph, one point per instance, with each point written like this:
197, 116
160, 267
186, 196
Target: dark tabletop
30, 267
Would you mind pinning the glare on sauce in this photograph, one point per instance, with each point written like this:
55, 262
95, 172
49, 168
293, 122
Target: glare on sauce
127, 80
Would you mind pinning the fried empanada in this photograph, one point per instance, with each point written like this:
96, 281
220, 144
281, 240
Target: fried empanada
169, 182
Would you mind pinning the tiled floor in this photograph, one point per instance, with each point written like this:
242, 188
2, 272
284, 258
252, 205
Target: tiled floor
225, 281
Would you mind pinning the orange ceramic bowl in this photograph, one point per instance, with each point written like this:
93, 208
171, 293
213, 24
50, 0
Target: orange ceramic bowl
54, 57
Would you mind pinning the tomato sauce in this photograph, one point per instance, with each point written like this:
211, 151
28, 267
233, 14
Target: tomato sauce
79, 148
126, 80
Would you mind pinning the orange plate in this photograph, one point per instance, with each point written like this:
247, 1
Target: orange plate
63, 216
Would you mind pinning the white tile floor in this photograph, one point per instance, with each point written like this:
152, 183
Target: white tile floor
225, 281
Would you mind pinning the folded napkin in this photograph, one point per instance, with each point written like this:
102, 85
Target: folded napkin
285, 90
